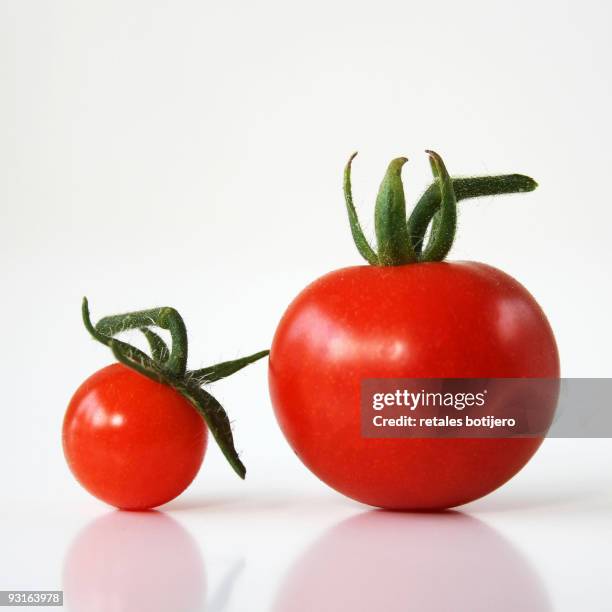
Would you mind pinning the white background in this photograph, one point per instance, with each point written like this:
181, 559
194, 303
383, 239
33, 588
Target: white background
190, 154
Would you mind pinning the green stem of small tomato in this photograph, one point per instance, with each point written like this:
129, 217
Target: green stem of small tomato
217, 421
165, 318
128, 350
159, 349
224, 369
169, 366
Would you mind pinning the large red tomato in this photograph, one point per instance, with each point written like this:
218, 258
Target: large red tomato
417, 320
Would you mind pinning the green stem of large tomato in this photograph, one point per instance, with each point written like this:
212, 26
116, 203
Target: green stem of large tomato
400, 241
465, 188
443, 231
394, 244
169, 366
361, 242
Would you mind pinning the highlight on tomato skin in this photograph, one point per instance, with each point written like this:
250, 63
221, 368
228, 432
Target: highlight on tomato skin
135, 433
409, 314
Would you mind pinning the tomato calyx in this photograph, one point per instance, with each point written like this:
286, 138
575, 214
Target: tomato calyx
169, 366
401, 240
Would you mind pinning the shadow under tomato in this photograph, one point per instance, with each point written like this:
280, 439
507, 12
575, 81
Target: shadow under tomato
392, 561
134, 561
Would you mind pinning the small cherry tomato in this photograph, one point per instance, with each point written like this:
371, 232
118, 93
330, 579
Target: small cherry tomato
135, 432
130, 441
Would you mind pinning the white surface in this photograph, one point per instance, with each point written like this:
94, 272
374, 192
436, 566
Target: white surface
191, 153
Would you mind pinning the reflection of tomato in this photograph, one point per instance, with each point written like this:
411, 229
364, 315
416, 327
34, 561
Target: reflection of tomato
422, 320
130, 441
134, 561
447, 561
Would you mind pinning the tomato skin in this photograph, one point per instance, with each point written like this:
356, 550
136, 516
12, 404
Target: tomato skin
429, 320
130, 441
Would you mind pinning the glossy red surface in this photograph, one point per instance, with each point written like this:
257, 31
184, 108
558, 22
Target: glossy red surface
131, 441
443, 320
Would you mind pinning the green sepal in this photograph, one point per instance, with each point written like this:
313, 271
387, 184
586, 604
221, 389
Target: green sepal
125, 354
221, 370
127, 350
217, 421
465, 188
400, 241
393, 240
159, 350
361, 242
166, 318
445, 225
